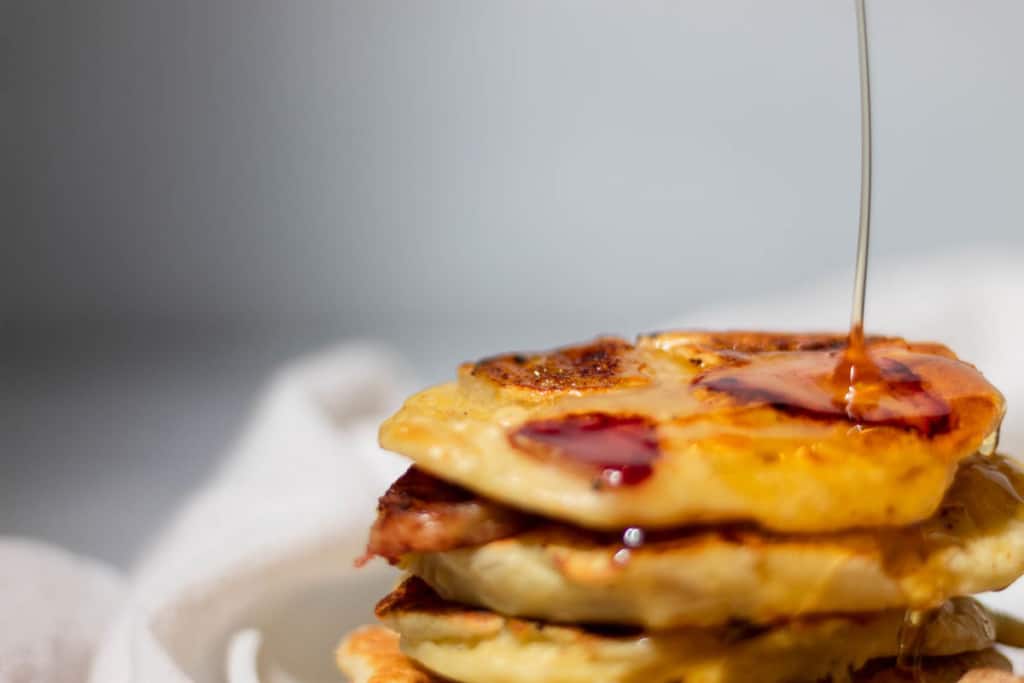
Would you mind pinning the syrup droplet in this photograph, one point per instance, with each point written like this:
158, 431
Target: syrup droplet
990, 444
855, 368
633, 537
622, 448
912, 639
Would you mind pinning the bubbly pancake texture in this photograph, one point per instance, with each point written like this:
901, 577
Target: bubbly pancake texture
371, 655
709, 576
696, 427
477, 646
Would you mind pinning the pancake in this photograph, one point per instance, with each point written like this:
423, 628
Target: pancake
477, 646
709, 576
371, 655
697, 428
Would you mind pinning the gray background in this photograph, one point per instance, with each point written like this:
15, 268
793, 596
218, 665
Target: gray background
195, 191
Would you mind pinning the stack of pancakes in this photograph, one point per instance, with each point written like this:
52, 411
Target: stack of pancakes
695, 507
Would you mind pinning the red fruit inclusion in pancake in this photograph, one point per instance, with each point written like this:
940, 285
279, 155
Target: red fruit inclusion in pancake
621, 448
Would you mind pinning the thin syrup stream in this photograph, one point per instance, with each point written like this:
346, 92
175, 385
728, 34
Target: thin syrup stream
856, 365
864, 232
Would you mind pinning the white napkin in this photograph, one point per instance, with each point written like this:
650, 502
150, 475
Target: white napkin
253, 579
261, 550
54, 608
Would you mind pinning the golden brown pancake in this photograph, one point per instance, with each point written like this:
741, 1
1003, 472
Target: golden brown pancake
696, 428
478, 646
371, 655
707, 576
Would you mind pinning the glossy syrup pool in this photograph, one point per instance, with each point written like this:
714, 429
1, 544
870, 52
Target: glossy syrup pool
863, 388
620, 449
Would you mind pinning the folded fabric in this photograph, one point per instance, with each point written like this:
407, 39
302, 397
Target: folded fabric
284, 517
55, 608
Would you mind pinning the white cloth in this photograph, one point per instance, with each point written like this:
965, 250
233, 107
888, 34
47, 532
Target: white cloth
53, 609
264, 544
253, 579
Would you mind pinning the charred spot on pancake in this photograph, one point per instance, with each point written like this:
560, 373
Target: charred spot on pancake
611, 630
420, 512
738, 630
605, 363
620, 449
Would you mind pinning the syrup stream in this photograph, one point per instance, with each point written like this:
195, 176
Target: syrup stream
864, 231
856, 364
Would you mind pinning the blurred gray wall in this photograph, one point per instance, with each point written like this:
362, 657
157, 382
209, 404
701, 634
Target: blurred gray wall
383, 163
195, 190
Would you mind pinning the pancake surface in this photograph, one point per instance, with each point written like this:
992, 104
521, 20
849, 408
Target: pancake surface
477, 646
657, 434
371, 655
709, 576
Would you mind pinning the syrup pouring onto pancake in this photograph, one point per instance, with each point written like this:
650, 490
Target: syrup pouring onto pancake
865, 387
867, 383
858, 379
855, 393
857, 365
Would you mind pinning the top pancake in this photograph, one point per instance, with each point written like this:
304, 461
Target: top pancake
699, 427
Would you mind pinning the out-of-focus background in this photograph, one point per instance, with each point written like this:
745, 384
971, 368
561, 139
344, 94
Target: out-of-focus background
194, 192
